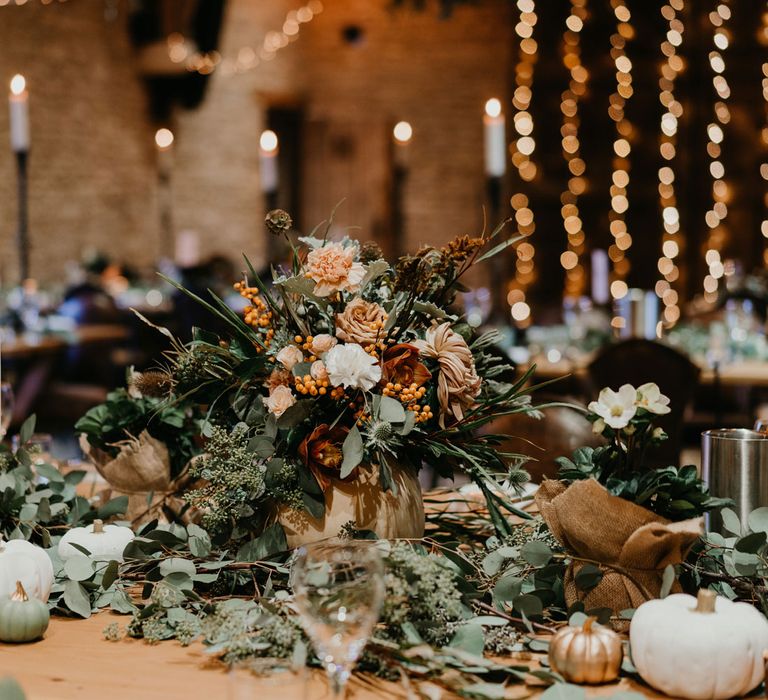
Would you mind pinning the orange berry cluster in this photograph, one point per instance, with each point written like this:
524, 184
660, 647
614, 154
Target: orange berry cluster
256, 314
410, 396
337, 393
306, 345
313, 387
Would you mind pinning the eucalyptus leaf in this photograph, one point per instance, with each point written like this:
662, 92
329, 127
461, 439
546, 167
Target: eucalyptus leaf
353, 452
77, 598
78, 568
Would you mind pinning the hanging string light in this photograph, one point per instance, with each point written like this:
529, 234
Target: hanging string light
671, 240
522, 157
622, 147
762, 37
247, 57
569, 106
716, 216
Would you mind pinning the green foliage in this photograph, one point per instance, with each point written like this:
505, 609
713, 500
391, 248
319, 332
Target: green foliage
674, 493
124, 415
233, 482
37, 511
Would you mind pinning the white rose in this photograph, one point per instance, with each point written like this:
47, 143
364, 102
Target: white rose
280, 399
650, 398
290, 356
322, 342
616, 408
351, 366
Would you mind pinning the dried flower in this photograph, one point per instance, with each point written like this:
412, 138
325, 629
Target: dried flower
278, 221
153, 383
278, 377
457, 384
333, 269
322, 452
361, 322
280, 399
370, 251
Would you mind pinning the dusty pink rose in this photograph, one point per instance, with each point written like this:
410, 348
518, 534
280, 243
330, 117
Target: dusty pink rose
333, 269
280, 399
322, 342
362, 322
290, 356
318, 371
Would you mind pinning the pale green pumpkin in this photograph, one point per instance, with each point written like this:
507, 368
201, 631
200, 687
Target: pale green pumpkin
22, 619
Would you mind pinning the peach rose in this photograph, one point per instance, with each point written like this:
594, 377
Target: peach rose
333, 269
280, 399
322, 342
318, 371
362, 322
457, 383
290, 356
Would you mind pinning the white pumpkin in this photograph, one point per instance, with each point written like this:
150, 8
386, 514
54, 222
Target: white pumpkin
26, 562
708, 648
104, 542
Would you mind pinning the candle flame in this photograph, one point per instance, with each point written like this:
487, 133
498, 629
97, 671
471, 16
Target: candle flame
402, 132
18, 84
268, 141
163, 138
493, 107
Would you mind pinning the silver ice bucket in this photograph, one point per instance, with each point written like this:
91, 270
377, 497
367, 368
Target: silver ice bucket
735, 466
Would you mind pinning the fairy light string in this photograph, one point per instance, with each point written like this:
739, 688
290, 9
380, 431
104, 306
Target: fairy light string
570, 260
523, 149
622, 240
715, 218
671, 245
762, 37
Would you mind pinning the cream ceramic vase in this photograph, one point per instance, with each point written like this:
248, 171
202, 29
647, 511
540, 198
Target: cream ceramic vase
362, 501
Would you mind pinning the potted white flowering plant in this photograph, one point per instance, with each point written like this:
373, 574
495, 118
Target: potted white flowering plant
628, 418
622, 523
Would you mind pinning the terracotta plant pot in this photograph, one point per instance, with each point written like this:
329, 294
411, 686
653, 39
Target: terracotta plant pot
363, 502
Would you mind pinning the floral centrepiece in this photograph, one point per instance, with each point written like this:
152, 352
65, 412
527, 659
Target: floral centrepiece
336, 382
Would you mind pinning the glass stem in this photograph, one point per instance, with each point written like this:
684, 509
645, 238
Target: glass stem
338, 677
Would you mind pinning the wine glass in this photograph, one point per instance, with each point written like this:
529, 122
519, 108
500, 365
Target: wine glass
338, 589
6, 408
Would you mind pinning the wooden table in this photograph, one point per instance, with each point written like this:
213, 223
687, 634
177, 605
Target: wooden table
744, 373
75, 662
30, 345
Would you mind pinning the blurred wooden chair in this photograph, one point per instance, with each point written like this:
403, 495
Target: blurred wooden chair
637, 361
561, 431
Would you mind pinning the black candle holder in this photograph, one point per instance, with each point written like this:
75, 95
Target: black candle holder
22, 235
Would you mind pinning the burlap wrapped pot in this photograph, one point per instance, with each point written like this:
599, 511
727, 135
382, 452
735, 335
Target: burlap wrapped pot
631, 545
142, 471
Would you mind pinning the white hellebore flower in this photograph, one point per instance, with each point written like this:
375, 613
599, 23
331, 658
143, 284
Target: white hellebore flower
289, 357
652, 400
280, 399
351, 366
616, 408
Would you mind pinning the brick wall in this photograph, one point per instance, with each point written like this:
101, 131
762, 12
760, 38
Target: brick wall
93, 181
